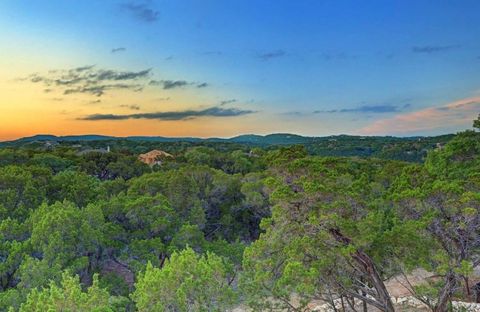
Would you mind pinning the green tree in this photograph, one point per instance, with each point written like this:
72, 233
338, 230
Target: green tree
12, 157
35, 273
111, 188
74, 186
188, 235
445, 197
68, 236
186, 282
14, 245
22, 189
68, 297
139, 228
53, 162
112, 165
142, 216
31, 274
255, 205
200, 155
326, 237
476, 123
181, 189
241, 162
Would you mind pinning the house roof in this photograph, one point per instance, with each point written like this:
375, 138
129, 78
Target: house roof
153, 156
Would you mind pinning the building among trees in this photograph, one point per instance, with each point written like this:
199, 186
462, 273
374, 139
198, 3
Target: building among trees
154, 157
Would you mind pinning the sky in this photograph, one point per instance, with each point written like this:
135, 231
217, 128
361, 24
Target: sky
222, 68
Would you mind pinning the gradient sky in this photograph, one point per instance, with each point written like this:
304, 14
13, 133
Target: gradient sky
222, 68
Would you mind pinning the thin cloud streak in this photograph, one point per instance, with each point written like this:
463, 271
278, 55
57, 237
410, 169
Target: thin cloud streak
376, 109
132, 107
174, 84
116, 50
271, 55
89, 80
458, 113
174, 115
94, 81
142, 12
434, 49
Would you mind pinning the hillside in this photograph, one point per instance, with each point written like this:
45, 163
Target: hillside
398, 148
241, 223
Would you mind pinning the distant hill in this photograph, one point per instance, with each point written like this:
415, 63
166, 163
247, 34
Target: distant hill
271, 139
95, 137
49, 137
254, 139
412, 149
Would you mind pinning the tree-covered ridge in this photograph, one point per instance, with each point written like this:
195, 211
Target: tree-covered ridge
223, 225
412, 149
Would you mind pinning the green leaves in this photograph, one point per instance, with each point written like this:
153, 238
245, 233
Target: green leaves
328, 214
63, 233
323, 225
186, 282
68, 297
75, 187
21, 190
476, 123
443, 202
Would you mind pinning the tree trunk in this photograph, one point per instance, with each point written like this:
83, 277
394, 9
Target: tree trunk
446, 293
369, 268
364, 303
476, 289
343, 304
467, 287
383, 296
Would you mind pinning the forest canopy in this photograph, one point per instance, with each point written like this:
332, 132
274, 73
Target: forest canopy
221, 225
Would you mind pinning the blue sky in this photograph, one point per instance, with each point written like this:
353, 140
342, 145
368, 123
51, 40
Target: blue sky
308, 67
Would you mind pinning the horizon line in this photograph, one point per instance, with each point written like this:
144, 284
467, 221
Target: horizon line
224, 138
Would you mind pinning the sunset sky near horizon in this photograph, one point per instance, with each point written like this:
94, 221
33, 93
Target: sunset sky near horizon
209, 68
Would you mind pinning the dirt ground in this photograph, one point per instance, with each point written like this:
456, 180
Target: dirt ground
399, 289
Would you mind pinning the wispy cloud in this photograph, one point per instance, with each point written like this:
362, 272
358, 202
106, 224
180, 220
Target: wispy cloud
132, 107
173, 115
429, 49
169, 84
142, 11
330, 56
375, 109
457, 114
226, 102
214, 53
99, 90
271, 55
173, 84
79, 69
90, 80
95, 81
118, 75
116, 50
162, 99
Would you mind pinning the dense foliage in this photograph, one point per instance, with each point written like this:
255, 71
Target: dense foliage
224, 224
413, 149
